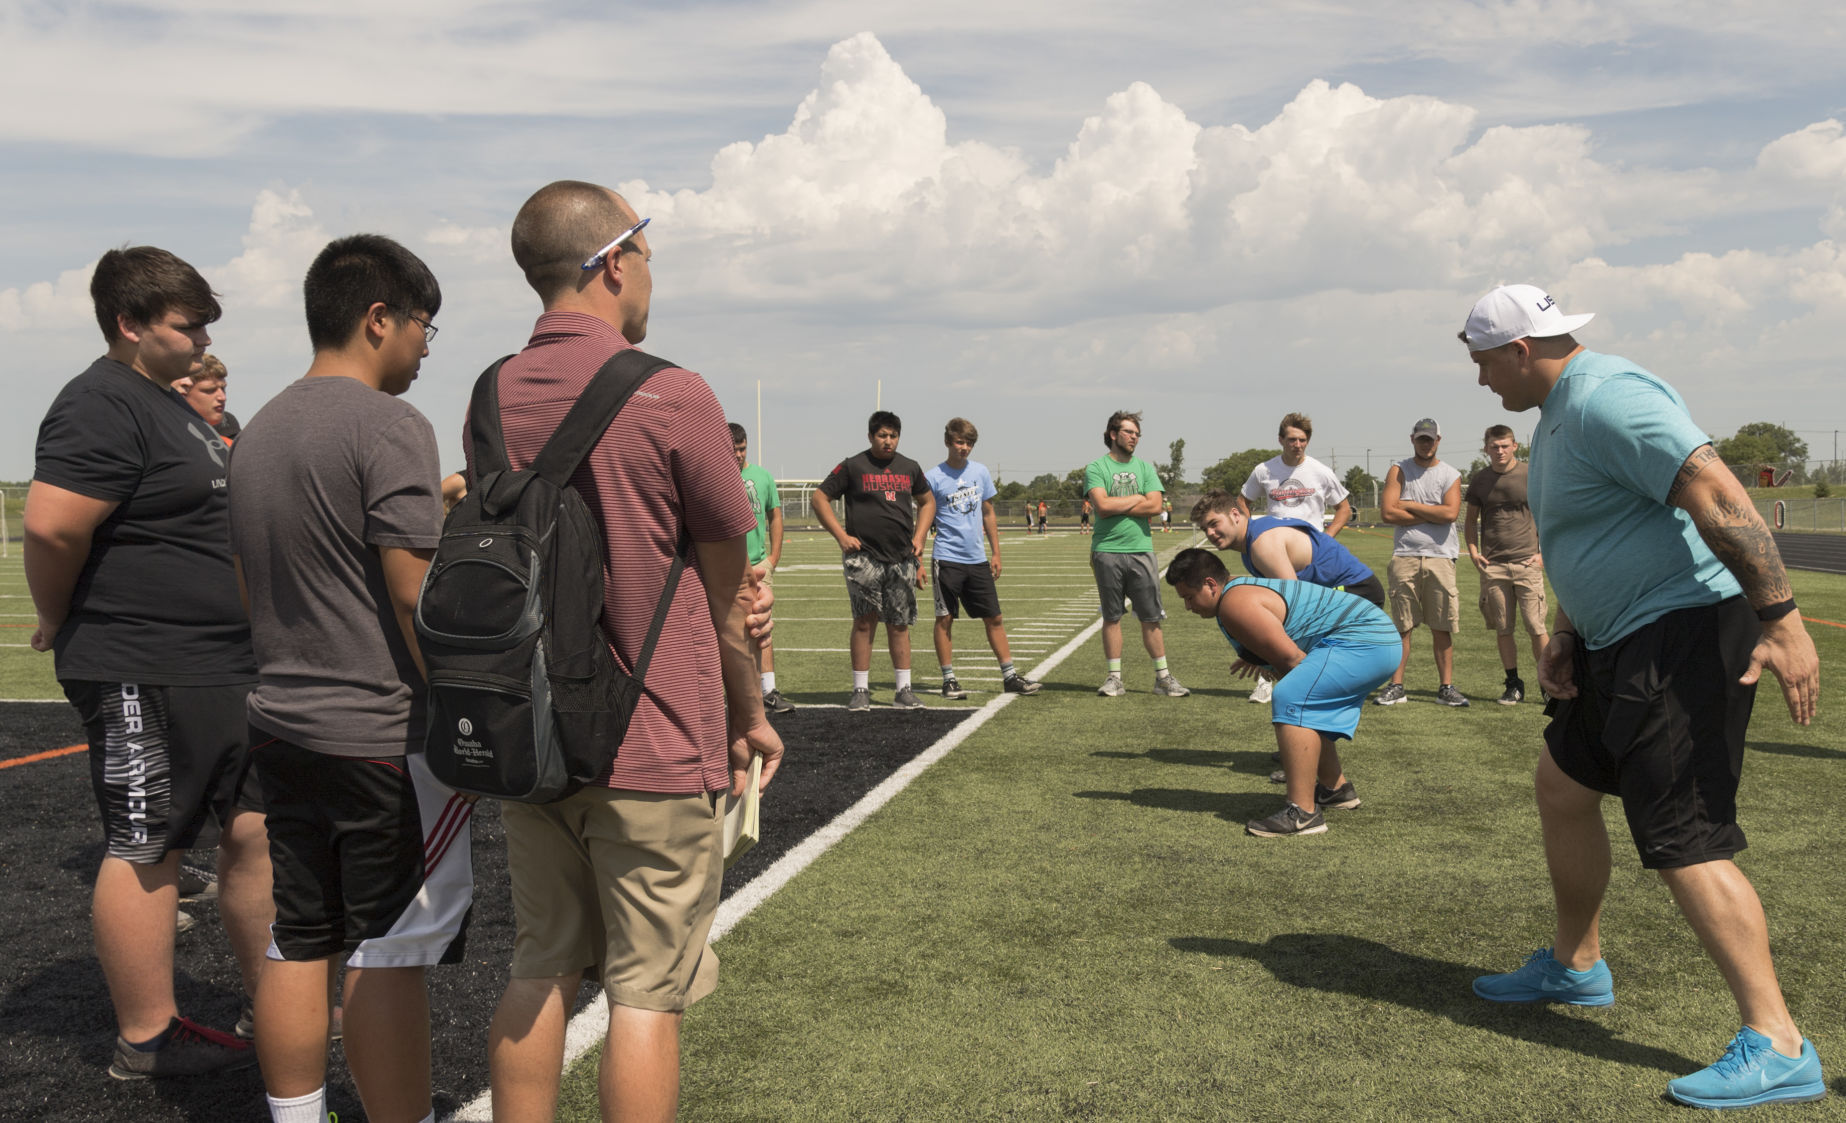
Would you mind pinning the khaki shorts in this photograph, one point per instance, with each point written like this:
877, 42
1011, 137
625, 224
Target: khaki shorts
1506, 584
1423, 592
622, 883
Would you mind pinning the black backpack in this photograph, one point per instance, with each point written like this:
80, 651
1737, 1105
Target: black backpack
526, 700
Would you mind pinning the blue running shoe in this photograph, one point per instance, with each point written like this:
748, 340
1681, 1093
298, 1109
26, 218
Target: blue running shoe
1544, 979
1751, 1072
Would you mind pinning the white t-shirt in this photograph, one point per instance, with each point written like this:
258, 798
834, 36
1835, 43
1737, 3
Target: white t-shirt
1303, 492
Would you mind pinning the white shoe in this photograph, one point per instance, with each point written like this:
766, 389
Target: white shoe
1263, 691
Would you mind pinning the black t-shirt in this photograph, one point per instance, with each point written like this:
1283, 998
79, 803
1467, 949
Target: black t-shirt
157, 601
880, 501
228, 426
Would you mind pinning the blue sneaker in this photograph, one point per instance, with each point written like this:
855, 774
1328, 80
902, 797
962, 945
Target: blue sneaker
1752, 1072
1544, 979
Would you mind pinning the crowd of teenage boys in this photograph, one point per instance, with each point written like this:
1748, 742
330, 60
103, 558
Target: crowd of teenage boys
231, 611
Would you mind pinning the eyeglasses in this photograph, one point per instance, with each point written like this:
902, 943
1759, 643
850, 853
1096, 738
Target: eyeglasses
597, 258
429, 329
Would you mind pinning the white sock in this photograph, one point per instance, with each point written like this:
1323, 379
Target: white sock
311, 1108
769, 681
862, 680
903, 680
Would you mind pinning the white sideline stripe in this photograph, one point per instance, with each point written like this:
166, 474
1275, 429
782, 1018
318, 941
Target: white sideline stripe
46, 700
591, 1025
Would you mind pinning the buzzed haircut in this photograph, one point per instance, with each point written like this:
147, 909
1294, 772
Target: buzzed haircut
738, 436
1499, 433
1299, 421
1115, 425
355, 272
211, 366
559, 228
1194, 567
1216, 500
960, 429
144, 283
884, 419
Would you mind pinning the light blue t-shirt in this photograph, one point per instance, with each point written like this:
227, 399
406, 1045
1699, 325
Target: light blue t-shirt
1610, 439
1316, 614
959, 496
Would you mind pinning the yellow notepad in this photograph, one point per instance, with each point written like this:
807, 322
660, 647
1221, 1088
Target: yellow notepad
742, 822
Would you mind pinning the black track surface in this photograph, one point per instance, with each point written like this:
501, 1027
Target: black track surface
55, 1023
1823, 553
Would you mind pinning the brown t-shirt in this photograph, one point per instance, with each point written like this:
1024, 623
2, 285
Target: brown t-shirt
1508, 532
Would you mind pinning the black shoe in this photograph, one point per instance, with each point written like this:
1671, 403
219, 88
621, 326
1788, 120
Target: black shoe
774, 703
186, 1049
1343, 798
1291, 820
952, 689
1515, 693
1019, 684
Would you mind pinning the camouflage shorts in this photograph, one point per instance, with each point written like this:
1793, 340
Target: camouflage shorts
887, 590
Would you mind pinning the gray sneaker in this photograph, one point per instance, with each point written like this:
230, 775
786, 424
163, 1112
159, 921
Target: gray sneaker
1019, 684
1291, 820
1342, 798
906, 699
860, 701
1167, 685
186, 1049
952, 689
1449, 696
774, 703
1112, 686
1391, 695
183, 921
196, 884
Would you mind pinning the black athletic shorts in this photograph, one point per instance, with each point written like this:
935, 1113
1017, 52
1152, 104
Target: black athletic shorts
168, 764
960, 585
348, 848
1370, 589
1659, 720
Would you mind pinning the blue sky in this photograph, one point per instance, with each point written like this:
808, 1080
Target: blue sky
1028, 214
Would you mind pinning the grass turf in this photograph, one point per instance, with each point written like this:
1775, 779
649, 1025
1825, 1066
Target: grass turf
1063, 919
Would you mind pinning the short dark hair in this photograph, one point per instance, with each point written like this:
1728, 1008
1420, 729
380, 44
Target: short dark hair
738, 436
1499, 432
1217, 499
144, 283
353, 273
1194, 566
884, 419
559, 228
1115, 425
960, 429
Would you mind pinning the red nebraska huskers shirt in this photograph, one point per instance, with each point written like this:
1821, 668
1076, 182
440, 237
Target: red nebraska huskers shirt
664, 462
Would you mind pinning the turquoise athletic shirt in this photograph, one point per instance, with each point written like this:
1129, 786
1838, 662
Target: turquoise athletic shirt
1610, 439
1316, 613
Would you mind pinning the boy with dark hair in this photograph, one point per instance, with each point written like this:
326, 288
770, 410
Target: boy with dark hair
336, 509
963, 490
130, 572
1126, 490
1327, 648
765, 550
889, 509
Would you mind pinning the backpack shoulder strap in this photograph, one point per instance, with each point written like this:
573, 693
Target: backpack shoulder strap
484, 434
659, 622
609, 390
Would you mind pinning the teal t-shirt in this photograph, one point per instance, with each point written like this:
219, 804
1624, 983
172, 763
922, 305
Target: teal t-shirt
1121, 534
760, 486
1314, 614
1610, 439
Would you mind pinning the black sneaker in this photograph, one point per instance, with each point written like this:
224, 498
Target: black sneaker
951, 688
1291, 820
1019, 684
1515, 693
1343, 798
186, 1049
774, 703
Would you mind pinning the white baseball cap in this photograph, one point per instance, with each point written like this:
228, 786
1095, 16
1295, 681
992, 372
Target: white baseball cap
1517, 312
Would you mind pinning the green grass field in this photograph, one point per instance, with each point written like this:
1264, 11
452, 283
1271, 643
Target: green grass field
1064, 919
24, 673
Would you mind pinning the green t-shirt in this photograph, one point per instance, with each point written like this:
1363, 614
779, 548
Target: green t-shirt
760, 486
1121, 534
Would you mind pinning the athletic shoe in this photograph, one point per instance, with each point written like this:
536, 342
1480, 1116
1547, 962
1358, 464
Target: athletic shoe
1019, 684
1343, 798
906, 699
186, 1049
246, 1022
1515, 694
1752, 1072
774, 703
1449, 696
1263, 691
952, 689
1169, 686
1391, 695
196, 884
1278, 777
1544, 979
1112, 686
860, 701
1291, 820
183, 921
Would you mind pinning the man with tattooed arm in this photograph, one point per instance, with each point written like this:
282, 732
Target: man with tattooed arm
1672, 601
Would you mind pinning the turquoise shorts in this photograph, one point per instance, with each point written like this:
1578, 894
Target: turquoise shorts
1326, 691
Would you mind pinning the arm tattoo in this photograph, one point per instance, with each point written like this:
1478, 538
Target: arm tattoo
1702, 457
1737, 535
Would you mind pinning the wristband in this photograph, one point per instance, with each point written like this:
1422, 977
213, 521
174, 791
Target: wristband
1775, 611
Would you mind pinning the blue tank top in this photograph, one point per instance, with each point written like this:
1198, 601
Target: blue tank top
1315, 614
1333, 565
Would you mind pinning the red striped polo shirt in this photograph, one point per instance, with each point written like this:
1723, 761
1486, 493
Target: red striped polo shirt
664, 462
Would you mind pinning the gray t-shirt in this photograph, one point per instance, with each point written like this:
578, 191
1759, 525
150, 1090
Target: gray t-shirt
1421, 485
325, 472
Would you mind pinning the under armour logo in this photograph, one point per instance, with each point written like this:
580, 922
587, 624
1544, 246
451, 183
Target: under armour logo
1547, 303
214, 444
